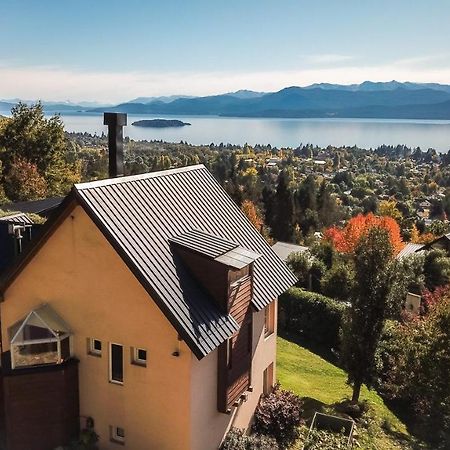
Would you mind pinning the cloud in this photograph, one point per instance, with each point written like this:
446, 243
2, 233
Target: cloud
59, 84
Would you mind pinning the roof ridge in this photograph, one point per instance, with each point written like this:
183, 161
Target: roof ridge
142, 176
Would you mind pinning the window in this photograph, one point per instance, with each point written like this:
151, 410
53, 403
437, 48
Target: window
41, 338
139, 356
116, 363
94, 347
269, 319
268, 380
117, 434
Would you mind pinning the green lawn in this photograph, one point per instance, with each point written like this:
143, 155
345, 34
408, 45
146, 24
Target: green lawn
310, 376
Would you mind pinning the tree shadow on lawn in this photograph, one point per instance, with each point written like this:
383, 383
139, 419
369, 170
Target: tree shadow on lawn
314, 347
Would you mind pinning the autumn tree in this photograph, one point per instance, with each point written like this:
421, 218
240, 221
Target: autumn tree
23, 181
253, 214
364, 322
346, 239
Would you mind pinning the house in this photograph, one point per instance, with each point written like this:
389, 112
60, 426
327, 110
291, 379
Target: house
146, 310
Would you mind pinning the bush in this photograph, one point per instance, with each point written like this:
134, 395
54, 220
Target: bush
237, 440
338, 281
314, 316
325, 440
278, 415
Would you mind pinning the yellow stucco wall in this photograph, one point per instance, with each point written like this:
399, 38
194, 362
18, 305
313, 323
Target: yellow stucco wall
204, 414
79, 274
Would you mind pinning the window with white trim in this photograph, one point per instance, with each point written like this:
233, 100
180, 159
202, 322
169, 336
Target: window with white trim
117, 434
139, 356
94, 347
116, 363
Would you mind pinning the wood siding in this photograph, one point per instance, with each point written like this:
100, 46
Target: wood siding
235, 356
41, 406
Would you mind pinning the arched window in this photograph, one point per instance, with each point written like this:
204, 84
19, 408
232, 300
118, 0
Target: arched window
41, 338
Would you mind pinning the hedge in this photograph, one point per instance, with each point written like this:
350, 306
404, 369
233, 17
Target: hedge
314, 316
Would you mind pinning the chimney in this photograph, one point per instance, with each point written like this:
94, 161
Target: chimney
115, 122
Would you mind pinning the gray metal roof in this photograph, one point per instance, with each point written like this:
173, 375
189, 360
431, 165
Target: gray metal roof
410, 249
204, 243
217, 248
17, 218
284, 249
139, 214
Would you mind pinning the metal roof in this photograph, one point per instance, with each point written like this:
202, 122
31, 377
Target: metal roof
139, 214
219, 249
18, 218
205, 243
284, 249
410, 249
42, 207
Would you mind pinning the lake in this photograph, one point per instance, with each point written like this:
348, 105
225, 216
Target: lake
364, 133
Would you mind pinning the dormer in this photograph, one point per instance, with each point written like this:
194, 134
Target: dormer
225, 270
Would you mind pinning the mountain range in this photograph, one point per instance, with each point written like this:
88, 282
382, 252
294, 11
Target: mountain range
366, 100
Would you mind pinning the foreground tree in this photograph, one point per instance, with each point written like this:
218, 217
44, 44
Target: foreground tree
364, 322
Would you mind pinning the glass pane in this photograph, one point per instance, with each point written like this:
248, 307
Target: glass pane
65, 349
142, 355
35, 354
116, 362
33, 332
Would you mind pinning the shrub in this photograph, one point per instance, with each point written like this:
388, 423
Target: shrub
338, 281
325, 440
237, 440
278, 415
314, 316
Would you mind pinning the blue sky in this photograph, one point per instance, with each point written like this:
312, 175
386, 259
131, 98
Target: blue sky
116, 50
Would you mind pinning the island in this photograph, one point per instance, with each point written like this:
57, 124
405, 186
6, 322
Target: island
159, 123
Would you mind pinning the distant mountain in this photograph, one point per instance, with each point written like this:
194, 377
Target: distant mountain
244, 93
380, 86
54, 107
369, 99
162, 99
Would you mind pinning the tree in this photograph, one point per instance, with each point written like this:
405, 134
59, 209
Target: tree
389, 208
252, 213
23, 182
338, 281
282, 226
364, 321
436, 269
345, 239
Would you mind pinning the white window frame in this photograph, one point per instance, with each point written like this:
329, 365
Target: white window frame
138, 361
92, 350
115, 437
111, 380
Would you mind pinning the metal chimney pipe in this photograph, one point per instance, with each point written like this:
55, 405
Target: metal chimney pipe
115, 122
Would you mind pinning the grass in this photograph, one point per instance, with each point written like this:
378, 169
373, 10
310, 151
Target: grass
322, 384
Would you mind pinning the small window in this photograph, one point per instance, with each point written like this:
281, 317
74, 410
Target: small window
139, 356
117, 434
269, 319
95, 347
268, 380
116, 363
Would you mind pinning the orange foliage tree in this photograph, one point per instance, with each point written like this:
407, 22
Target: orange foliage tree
347, 237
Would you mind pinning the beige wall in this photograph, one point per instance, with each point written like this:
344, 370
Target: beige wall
79, 274
208, 425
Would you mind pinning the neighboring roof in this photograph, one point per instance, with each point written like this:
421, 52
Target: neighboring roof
41, 207
284, 249
18, 218
410, 249
139, 214
219, 249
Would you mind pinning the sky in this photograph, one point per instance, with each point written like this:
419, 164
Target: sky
111, 51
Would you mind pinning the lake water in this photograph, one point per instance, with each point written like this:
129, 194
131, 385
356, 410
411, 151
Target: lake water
365, 133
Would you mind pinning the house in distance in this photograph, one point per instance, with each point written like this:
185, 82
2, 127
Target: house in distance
146, 310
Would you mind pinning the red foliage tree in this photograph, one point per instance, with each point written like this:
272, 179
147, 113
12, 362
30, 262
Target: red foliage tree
347, 237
